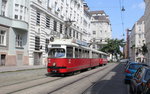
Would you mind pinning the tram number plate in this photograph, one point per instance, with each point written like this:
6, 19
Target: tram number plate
54, 70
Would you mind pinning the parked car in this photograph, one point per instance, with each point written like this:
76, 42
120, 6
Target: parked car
124, 60
139, 80
146, 88
131, 69
128, 63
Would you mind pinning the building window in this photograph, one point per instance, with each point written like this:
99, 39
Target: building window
61, 28
70, 32
94, 32
20, 17
46, 45
19, 40
16, 5
139, 28
16, 16
37, 18
94, 47
74, 34
3, 7
77, 35
47, 22
55, 26
2, 37
37, 43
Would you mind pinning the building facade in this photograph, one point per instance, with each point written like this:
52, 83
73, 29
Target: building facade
27, 27
147, 28
13, 32
137, 40
52, 19
86, 24
100, 29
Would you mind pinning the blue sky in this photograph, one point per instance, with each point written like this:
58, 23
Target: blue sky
134, 9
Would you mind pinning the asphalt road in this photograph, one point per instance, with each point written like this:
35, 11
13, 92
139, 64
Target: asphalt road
107, 79
113, 83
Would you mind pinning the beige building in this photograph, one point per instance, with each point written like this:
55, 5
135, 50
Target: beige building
137, 40
100, 28
14, 32
147, 28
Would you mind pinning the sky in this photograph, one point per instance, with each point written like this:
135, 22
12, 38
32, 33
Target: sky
134, 9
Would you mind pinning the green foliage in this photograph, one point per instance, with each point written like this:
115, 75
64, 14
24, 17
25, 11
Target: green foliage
113, 47
144, 49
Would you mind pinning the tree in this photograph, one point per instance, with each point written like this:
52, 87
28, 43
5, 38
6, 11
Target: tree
144, 49
113, 47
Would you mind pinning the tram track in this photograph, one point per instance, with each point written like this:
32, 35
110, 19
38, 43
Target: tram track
76, 80
20, 84
24, 81
86, 90
55, 80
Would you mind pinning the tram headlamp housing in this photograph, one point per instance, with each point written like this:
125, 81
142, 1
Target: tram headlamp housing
54, 64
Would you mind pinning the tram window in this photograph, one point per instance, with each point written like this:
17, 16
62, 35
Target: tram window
97, 55
100, 56
80, 53
69, 52
84, 53
56, 53
76, 53
93, 55
104, 56
87, 55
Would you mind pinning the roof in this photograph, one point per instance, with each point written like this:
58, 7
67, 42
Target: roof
97, 12
140, 20
72, 42
101, 18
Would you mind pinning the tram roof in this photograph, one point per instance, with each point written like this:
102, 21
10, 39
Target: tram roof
94, 50
70, 42
63, 42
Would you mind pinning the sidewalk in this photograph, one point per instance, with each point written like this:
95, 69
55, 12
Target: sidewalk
17, 68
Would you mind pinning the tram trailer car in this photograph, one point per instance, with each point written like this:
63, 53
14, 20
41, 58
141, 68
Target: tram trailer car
65, 56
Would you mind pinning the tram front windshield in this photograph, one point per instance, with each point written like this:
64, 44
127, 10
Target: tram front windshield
56, 53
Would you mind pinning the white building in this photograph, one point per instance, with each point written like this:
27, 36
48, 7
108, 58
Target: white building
14, 32
27, 26
137, 40
52, 18
100, 28
147, 28
86, 24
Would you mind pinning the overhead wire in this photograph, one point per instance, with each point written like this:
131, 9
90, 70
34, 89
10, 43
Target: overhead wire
122, 9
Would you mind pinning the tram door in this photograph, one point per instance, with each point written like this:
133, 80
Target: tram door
37, 58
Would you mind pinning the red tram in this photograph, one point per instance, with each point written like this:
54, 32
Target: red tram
67, 56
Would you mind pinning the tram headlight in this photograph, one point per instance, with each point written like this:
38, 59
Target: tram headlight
54, 64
